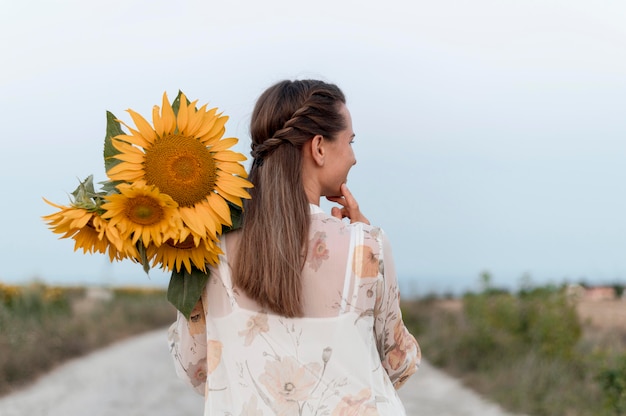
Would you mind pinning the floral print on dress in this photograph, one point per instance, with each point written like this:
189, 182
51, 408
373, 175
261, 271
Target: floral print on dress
345, 364
317, 250
403, 343
289, 383
197, 373
214, 355
360, 404
254, 326
365, 262
250, 408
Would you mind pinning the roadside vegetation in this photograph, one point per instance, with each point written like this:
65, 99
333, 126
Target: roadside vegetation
529, 351
42, 326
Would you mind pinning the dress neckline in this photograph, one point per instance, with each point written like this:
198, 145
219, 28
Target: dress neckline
315, 209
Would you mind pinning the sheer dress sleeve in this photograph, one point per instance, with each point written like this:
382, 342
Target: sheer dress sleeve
399, 352
188, 347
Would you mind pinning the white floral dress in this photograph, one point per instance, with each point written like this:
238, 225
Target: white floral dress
347, 355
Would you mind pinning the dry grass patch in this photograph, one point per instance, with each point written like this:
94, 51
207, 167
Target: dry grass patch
43, 326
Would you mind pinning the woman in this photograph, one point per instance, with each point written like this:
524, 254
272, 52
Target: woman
301, 316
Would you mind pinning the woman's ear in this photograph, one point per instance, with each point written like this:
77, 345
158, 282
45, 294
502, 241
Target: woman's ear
318, 151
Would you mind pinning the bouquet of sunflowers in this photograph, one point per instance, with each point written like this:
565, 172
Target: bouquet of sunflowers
173, 188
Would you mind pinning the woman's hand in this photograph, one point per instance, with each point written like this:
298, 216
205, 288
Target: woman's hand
349, 207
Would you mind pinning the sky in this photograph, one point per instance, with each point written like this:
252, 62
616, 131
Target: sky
490, 135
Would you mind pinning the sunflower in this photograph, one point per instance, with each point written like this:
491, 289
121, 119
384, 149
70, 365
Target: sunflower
118, 248
67, 220
90, 233
174, 186
76, 223
172, 255
184, 156
141, 211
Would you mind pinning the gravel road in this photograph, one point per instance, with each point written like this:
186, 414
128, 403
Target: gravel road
136, 377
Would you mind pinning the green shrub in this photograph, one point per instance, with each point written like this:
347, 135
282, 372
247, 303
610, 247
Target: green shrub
549, 322
523, 350
612, 379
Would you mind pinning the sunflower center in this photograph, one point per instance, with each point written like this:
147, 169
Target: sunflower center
181, 167
182, 245
144, 210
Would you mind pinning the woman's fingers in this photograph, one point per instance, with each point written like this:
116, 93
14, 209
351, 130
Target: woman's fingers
349, 206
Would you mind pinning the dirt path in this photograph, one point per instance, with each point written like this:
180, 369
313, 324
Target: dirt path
136, 378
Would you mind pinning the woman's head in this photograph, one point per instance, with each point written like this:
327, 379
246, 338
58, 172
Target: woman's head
288, 119
293, 115
290, 113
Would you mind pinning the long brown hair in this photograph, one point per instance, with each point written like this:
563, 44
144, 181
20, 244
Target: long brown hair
275, 227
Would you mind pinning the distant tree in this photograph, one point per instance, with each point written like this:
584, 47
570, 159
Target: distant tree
525, 284
583, 283
486, 280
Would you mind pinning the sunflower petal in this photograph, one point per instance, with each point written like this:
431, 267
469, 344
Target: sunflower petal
130, 157
135, 137
157, 121
195, 120
168, 117
145, 129
119, 171
183, 116
229, 156
234, 168
208, 216
224, 144
208, 121
232, 188
193, 221
124, 146
218, 128
53, 204
232, 199
127, 167
220, 207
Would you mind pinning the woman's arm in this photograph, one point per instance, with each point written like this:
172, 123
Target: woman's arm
187, 340
399, 351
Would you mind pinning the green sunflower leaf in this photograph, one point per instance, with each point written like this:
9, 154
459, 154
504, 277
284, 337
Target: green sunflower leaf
113, 129
185, 289
143, 256
176, 102
109, 187
85, 190
85, 195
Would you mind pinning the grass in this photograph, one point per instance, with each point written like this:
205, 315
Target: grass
530, 352
43, 326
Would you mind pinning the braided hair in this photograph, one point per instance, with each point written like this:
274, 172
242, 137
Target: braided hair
275, 226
